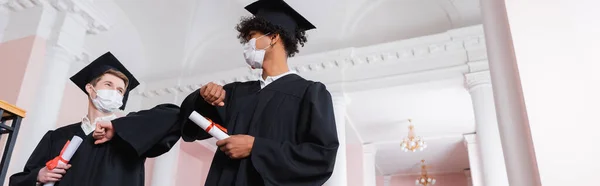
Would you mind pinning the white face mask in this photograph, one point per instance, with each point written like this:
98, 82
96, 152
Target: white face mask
107, 101
254, 57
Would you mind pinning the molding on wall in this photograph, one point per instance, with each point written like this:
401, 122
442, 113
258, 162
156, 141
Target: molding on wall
84, 8
16, 5
355, 69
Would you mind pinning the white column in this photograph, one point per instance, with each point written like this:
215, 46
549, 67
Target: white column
488, 138
63, 25
387, 180
165, 167
340, 172
475, 175
369, 169
513, 124
51, 89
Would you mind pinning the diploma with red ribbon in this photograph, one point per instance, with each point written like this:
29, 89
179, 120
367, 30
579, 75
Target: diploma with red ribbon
209, 126
65, 155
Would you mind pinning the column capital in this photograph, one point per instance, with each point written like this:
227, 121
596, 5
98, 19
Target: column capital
470, 139
476, 79
60, 54
369, 148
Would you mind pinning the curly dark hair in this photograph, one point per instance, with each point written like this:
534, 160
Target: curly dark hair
252, 23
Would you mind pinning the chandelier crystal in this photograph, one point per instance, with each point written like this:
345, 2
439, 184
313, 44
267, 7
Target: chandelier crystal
424, 179
412, 143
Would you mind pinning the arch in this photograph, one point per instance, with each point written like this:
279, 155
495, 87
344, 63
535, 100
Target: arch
451, 12
349, 27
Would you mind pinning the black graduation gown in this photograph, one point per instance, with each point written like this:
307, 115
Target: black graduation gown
293, 124
119, 162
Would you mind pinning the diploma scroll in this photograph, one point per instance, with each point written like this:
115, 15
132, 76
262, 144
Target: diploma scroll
65, 155
212, 128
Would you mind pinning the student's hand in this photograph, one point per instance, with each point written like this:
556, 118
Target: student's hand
98, 133
54, 175
104, 132
213, 94
237, 146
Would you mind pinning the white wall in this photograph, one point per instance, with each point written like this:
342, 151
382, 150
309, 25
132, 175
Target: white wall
558, 56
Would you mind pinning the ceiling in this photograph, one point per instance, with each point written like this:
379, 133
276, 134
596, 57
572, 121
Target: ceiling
158, 39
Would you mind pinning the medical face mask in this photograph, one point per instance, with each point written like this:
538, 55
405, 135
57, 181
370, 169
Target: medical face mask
107, 101
254, 57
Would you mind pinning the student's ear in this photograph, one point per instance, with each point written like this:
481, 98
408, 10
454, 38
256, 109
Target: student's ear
89, 89
275, 39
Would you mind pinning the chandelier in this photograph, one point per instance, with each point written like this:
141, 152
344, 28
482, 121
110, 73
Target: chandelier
412, 143
424, 179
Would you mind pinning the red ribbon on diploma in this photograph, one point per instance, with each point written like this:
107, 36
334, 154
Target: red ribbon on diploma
213, 124
54, 162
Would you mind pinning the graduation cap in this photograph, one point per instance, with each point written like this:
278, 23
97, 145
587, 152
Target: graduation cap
98, 67
279, 13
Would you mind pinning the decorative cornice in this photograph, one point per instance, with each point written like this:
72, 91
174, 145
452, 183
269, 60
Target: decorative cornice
478, 66
17, 5
476, 79
382, 59
84, 8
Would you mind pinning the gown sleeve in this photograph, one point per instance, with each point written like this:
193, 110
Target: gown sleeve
36, 161
310, 162
194, 102
149, 132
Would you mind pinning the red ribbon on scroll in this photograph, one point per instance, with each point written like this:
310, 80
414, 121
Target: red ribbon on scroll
54, 162
213, 124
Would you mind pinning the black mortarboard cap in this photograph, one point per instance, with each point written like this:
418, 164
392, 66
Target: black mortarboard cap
279, 13
98, 67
